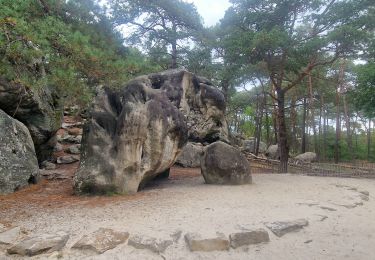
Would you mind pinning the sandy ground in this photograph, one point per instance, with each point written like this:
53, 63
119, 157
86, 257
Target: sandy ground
343, 229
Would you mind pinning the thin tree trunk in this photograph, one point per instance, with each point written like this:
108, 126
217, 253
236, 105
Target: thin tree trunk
348, 131
282, 132
293, 120
303, 145
369, 140
312, 113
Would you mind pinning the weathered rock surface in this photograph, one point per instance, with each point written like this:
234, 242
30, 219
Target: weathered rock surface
246, 238
224, 164
67, 159
132, 136
74, 149
191, 155
101, 240
249, 146
40, 110
48, 165
150, 243
10, 236
18, 161
307, 157
273, 152
38, 245
71, 139
195, 242
281, 228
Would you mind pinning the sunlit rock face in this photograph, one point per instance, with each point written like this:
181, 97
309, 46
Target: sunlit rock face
136, 133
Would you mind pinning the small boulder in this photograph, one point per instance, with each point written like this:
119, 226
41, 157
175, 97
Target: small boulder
196, 243
74, 149
191, 155
47, 243
225, 164
307, 157
67, 159
48, 165
71, 139
101, 240
248, 238
249, 146
153, 244
58, 147
281, 228
273, 152
10, 236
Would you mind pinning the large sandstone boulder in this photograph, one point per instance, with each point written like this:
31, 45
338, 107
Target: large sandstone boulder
307, 157
40, 110
273, 152
199, 101
132, 136
191, 155
249, 146
18, 162
224, 164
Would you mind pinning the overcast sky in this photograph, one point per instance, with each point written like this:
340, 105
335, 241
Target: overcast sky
211, 10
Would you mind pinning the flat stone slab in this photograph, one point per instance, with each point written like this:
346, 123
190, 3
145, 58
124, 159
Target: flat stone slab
10, 236
101, 240
67, 159
47, 243
153, 244
246, 238
280, 228
195, 242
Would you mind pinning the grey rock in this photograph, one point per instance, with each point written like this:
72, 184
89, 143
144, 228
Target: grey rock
191, 155
131, 137
195, 242
72, 139
47, 243
224, 164
246, 238
67, 159
18, 161
249, 146
150, 243
273, 152
101, 240
55, 174
307, 157
71, 125
74, 149
39, 109
58, 147
10, 236
281, 228
48, 165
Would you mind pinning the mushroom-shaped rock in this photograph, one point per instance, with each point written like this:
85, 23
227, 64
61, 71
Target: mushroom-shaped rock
132, 135
225, 164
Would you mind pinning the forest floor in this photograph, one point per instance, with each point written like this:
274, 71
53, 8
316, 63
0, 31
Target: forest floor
341, 219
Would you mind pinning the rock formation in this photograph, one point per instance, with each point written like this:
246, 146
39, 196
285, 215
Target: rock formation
38, 109
136, 133
273, 152
191, 155
18, 162
307, 157
225, 164
249, 146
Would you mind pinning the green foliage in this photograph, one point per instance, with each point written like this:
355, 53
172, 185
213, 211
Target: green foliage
162, 27
68, 45
364, 93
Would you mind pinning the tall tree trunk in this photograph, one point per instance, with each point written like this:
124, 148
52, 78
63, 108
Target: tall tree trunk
338, 126
174, 48
293, 121
312, 113
321, 116
282, 132
348, 130
303, 134
369, 140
